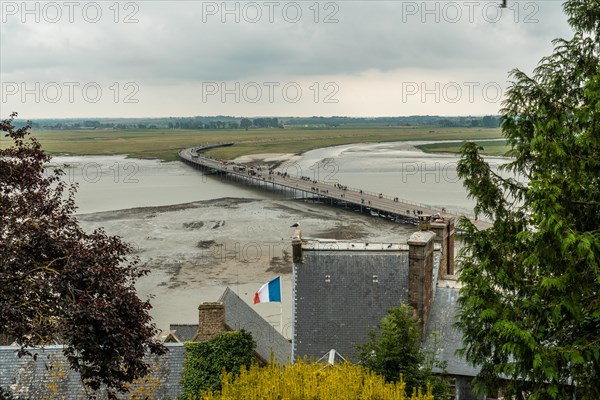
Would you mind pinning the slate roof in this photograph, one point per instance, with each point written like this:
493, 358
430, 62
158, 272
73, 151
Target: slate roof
441, 321
184, 332
239, 315
32, 379
342, 290
341, 295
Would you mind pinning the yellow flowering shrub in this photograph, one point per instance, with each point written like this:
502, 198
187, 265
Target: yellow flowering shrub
310, 381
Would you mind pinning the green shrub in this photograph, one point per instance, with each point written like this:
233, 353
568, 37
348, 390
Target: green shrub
205, 361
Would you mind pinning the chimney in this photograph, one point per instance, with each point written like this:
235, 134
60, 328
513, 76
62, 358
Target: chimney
420, 274
444, 235
211, 321
297, 246
450, 245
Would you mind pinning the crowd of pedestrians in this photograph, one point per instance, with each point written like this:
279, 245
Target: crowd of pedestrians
257, 172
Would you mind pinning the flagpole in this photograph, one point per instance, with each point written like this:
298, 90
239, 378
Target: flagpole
281, 318
281, 309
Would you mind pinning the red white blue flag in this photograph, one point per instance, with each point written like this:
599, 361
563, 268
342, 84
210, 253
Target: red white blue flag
269, 292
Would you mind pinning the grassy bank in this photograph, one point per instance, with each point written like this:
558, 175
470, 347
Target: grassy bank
496, 148
164, 143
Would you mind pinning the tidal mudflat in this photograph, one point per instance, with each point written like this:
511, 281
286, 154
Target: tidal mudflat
195, 250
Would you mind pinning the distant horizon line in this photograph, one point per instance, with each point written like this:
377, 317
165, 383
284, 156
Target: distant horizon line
256, 116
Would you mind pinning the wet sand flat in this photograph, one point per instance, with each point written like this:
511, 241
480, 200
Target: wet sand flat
195, 250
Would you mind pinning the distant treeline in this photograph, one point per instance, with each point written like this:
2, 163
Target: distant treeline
226, 122
490, 121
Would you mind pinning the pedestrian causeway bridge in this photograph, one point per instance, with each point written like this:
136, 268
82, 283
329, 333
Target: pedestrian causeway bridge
380, 205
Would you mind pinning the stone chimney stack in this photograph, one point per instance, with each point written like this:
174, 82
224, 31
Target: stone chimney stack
211, 321
420, 274
450, 244
444, 235
297, 246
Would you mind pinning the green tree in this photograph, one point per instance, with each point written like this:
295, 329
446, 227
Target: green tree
530, 306
61, 283
396, 350
489, 121
245, 123
206, 361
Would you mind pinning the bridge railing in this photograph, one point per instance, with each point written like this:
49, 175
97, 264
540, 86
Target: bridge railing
449, 210
383, 196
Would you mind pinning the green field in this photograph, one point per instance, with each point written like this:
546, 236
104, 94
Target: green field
164, 143
498, 148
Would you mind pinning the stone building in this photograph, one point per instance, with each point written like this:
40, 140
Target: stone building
342, 290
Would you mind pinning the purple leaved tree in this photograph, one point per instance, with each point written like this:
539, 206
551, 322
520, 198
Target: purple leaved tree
61, 283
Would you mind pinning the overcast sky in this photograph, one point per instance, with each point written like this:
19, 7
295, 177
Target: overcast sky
267, 58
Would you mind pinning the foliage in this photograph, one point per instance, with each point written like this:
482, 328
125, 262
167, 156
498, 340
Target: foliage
61, 283
303, 381
529, 309
205, 361
395, 351
245, 123
6, 394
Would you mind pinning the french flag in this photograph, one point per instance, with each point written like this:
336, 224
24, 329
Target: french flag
269, 292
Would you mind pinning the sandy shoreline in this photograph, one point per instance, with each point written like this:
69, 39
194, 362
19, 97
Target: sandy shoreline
268, 158
195, 250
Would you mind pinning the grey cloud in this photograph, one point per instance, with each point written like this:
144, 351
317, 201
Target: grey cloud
171, 43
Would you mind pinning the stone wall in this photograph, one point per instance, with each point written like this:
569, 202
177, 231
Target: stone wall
420, 274
444, 235
211, 321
